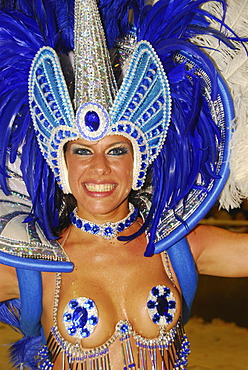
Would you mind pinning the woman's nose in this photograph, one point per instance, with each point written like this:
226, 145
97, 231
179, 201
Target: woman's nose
100, 164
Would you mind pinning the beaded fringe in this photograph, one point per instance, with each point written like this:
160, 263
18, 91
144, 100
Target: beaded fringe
165, 354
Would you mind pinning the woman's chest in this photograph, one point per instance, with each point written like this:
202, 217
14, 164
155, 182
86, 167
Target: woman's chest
102, 292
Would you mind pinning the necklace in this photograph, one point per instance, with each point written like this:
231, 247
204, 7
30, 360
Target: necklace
108, 230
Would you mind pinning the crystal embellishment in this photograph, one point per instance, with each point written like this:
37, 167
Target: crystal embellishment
80, 317
108, 230
161, 305
92, 121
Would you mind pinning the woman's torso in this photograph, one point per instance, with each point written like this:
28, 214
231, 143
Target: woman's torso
118, 278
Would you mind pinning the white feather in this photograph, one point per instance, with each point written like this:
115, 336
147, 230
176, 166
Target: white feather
233, 65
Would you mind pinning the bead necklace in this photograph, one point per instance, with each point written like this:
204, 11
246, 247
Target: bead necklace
108, 230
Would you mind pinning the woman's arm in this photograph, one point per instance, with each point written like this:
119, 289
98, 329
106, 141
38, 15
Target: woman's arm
219, 252
9, 288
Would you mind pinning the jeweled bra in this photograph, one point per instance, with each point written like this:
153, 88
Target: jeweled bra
166, 352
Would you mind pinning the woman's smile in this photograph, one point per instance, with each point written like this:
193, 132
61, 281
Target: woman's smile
99, 188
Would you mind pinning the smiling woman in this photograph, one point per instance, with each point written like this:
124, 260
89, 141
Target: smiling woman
118, 155
100, 177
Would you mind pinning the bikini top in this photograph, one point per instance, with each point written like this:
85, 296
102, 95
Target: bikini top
80, 319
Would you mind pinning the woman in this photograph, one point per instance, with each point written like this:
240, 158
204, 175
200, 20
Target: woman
121, 306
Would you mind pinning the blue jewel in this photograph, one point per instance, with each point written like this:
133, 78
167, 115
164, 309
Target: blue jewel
56, 170
80, 317
54, 106
136, 98
127, 113
73, 303
85, 333
140, 140
39, 72
156, 105
49, 98
145, 116
62, 121
153, 66
139, 183
146, 82
87, 227
141, 174
150, 74
154, 132
53, 154
169, 318
108, 231
127, 223
154, 151
93, 320
37, 110
156, 318
120, 227
120, 128
95, 229
128, 129
166, 291
142, 148
155, 291
144, 157
61, 134
89, 304
162, 305
33, 104
92, 121
41, 117
131, 106
161, 99
57, 114
150, 111
67, 133
72, 330
143, 166
55, 162
67, 316
135, 134
141, 90
151, 304
172, 304
46, 89
79, 224
46, 123
124, 328
42, 80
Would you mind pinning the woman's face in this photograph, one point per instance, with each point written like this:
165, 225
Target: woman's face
100, 176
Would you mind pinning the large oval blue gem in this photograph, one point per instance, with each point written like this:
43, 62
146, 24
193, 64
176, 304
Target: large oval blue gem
162, 305
92, 121
80, 317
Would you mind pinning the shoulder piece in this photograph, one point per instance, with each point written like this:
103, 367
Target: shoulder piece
22, 243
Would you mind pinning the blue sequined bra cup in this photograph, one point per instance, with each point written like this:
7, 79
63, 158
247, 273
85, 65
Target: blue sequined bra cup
168, 351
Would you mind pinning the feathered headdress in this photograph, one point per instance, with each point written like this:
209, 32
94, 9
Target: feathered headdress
189, 170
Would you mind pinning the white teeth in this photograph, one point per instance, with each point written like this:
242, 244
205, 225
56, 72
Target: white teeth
99, 188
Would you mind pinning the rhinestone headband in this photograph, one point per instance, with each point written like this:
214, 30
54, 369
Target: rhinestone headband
108, 230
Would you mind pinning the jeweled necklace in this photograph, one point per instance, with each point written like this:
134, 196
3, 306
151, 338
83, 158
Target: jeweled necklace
108, 230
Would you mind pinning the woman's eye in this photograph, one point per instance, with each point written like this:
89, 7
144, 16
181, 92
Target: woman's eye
81, 151
118, 151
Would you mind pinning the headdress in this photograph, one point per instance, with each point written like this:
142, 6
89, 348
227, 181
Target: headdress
172, 104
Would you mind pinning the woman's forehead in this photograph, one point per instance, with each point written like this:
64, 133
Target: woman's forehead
107, 140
